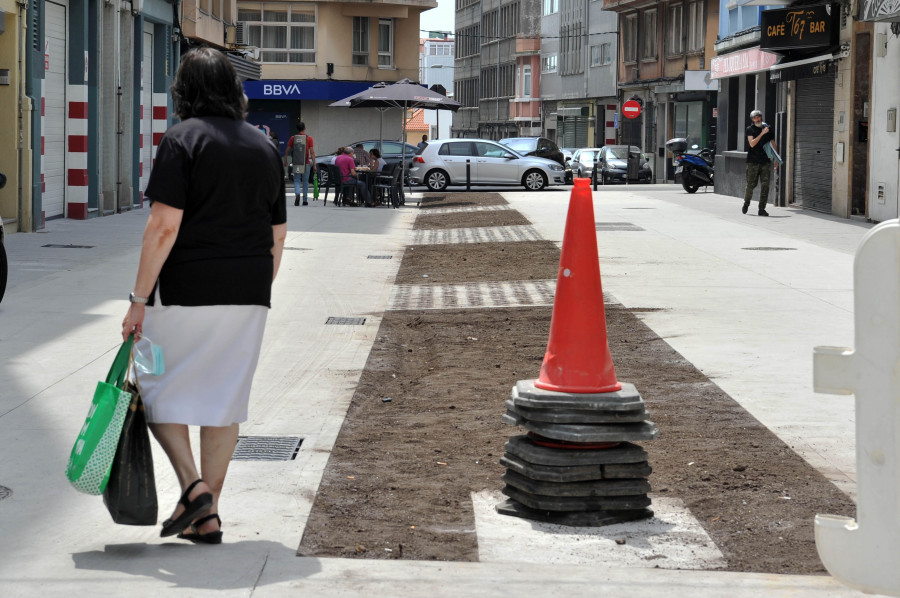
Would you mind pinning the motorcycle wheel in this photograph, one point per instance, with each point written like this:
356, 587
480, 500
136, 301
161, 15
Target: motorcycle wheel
689, 184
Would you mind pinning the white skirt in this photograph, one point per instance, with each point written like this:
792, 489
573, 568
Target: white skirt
210, 354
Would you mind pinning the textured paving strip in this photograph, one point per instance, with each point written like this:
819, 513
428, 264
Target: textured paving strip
430, 211
476, 235
516, 293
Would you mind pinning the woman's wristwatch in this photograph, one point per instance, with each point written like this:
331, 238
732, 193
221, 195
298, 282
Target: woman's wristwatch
135, 299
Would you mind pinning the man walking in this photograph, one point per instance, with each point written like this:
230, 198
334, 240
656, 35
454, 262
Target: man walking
303, 156
759, 166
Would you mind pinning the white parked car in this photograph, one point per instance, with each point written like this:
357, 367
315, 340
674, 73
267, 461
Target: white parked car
583, 161
442, 163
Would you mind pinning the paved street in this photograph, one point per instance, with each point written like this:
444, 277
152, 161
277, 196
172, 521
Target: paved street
745, 299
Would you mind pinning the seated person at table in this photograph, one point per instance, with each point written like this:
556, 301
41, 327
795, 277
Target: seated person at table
348, 173
360, 155
376, 162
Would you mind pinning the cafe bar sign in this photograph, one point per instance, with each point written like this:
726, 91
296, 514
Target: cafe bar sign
800, 28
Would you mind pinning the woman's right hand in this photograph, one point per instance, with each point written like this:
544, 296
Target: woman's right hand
134, 321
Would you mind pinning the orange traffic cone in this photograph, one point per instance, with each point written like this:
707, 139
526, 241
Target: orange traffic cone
577, 358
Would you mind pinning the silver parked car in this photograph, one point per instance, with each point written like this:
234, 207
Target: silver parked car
443, 162
583, 161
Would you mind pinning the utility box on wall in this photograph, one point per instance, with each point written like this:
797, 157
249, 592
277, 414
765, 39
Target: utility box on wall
892, 120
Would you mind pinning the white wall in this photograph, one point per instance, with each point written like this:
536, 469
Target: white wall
884, 161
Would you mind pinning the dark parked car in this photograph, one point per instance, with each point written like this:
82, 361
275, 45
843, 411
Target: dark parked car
391, 151
540, 147
613, 164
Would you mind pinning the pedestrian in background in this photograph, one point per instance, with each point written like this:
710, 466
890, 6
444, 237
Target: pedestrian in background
360, 155
211, 249
301, 154
424, 142
759, 166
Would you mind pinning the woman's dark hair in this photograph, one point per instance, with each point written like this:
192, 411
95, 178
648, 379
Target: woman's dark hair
374, 151
207, 85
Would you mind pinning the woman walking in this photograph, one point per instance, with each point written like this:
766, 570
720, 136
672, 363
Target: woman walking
211, 249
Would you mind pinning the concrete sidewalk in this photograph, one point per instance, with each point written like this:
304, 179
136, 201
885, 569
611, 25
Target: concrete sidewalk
59, 327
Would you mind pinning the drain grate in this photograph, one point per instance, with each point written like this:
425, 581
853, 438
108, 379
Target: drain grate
5, 492
769, 248
54, 246
617, 226
337, 321
267, 448
380, 257
297, 249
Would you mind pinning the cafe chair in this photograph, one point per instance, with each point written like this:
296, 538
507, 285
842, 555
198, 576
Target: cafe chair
388, 185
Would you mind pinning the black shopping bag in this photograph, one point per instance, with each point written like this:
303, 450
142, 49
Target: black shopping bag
130, 495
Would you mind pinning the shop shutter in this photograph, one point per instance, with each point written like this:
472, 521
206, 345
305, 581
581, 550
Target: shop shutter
813, 132
53, 198
147, 108
108, 108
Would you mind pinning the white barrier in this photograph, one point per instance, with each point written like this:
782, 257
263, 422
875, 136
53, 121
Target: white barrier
865, 552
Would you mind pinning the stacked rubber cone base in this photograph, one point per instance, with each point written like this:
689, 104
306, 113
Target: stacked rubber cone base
578, 465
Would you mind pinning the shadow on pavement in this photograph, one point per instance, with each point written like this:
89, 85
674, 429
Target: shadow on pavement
234, 565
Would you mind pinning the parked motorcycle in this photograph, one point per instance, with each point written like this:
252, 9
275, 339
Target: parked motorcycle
695, 167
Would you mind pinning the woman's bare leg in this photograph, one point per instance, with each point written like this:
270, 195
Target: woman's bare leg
216, 448
176, 442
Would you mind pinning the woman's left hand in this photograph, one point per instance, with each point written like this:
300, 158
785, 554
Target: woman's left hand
134, 321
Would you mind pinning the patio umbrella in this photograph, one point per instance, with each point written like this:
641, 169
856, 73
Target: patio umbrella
345, 103
404, 94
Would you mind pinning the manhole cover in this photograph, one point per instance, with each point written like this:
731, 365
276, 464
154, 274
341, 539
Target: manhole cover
769, 248
380, 257
617, 226
267, 448
68, 246
297, 249
5, 492
345, 321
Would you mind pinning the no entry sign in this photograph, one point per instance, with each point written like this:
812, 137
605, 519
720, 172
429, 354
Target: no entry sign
631, 109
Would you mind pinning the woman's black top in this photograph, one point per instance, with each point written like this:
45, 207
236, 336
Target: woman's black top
228, 179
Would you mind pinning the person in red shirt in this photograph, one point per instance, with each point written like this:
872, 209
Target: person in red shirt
347, 164
309, 158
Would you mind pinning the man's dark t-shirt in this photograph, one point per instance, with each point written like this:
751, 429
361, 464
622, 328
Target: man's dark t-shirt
757, 154
228, 179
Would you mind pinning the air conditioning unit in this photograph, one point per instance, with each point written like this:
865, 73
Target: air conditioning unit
230, 35
241, 34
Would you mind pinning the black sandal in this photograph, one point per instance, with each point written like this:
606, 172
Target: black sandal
198, 538
192, 509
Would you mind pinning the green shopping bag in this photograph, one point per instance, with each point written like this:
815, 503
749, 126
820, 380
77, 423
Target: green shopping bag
315, 185
95, 448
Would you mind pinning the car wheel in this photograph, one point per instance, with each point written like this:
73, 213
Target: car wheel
534, 180
4, 268
323, 176
436, 180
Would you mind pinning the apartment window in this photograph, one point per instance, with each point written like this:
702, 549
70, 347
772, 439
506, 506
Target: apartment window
551, 6
361, 41
216, 8
385, 43
648, 31
526, 81
601, 54
675, 36
629, 38
282, 32
696, 27
489, 25
509, 20
548, 64
466, 92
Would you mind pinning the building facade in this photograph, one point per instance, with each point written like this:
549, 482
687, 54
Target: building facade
492, 51
308, 63
880, 120
664, 58
578, 73
436, 57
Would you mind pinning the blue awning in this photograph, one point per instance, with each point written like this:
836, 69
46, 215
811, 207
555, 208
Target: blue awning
303, 90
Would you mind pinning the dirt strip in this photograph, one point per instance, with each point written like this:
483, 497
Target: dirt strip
423, 431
